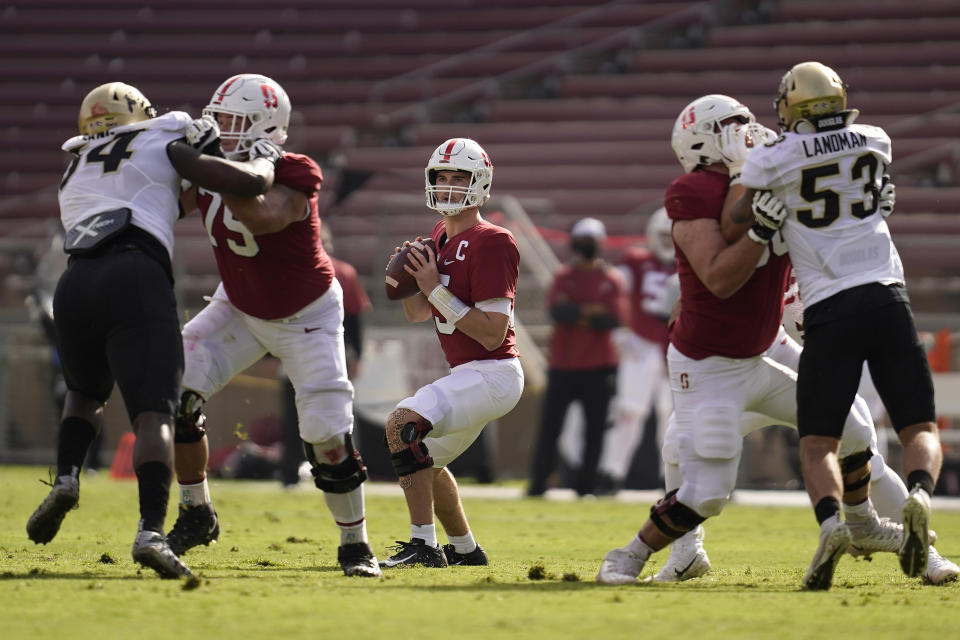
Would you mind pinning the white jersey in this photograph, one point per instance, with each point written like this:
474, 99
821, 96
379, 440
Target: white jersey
830, 181
126, 167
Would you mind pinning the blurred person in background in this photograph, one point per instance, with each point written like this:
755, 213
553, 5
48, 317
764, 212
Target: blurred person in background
587, 301
642, 383
277, 295
114, 307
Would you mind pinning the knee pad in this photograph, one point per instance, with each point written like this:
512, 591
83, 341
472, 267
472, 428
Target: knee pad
189, 423
856, 470
673, 518
415, 455
341, 477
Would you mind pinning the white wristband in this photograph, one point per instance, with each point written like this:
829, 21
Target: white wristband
449, 305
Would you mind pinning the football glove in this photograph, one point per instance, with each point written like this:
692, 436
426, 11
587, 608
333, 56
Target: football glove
203, 134
267, 149
735, 141
769, 215
888, 196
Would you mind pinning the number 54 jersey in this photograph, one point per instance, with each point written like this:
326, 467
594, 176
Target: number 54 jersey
271, 275
830, 181
126, 167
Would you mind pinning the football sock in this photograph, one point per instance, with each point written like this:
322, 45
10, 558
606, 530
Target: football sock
426, 532
153, 480
348, 512
639, 548
75, 437
922, 478
192, 495
858, 512
826, 509
464, 543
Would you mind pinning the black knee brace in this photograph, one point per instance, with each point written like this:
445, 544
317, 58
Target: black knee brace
416, 456
850, 465
342, 477
189, 423
678, 514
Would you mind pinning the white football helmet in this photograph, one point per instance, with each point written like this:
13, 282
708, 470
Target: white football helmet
112, 105
695, 132
660, 236
458, 154
259, 108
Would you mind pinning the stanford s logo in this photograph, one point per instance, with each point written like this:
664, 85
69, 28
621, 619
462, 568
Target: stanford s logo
269, 96
689, 118
684, 381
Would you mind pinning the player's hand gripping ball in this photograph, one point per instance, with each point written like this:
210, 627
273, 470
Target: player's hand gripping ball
398, 282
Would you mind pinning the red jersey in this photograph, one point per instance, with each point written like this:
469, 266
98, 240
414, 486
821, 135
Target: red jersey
747, 322
648, 312
355, 298
271, 275
478, 264
574, 347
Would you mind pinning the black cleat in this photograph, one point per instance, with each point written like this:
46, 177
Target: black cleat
151, 550
357, 559
45, 522
476, 558
415, 552
194, 526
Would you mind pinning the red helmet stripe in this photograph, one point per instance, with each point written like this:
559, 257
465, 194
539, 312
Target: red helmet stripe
449, 150
223, 91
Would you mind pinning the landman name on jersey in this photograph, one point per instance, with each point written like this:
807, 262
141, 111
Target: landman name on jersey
834, 142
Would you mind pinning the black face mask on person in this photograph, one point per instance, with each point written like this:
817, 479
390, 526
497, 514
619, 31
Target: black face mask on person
586, 248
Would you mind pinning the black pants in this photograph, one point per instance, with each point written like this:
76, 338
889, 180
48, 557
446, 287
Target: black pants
593, 388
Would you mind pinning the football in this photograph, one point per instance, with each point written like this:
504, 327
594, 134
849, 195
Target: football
400, 284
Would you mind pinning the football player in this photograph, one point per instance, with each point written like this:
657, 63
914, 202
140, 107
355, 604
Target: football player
467, 290
829, 173
587, 300
277, 295
114, 306
721, 355
642, 384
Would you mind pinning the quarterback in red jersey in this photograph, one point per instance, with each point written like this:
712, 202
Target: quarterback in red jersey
278, 295
467, 290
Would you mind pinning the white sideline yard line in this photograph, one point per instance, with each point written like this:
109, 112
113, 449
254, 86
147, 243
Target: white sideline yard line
744, 497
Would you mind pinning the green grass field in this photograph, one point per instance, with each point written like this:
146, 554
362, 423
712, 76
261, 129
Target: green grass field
274, 574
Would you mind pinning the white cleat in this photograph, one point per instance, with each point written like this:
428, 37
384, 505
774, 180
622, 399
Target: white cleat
916, 533
835, 538
939, 569
687, 560
874, 534
620, 566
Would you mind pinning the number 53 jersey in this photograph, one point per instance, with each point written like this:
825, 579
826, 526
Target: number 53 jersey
126, 167
271, 275
830, 181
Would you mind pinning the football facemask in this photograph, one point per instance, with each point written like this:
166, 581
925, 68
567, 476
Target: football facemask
458, 154
112, 105
695, 131
249, 107
809, 90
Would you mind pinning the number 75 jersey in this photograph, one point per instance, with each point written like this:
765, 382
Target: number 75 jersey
830, 181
